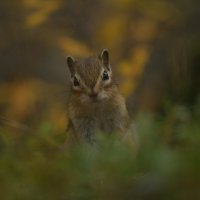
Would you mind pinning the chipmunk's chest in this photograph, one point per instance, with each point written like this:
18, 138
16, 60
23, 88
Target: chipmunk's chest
102, 117
106, 120
97, 110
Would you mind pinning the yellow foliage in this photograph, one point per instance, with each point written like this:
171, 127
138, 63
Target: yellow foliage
21, 99
74, 47
125, 69
112, 31
126, 87
132, 70
140, 58
41, 11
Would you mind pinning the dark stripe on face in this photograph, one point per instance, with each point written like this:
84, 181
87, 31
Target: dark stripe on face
89, 70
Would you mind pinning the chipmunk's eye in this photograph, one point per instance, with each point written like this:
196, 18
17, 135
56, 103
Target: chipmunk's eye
105, 76
76, 82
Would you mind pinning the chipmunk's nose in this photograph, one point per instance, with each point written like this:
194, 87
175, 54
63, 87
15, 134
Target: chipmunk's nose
93, 94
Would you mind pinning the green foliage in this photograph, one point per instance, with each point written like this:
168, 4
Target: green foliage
164, 166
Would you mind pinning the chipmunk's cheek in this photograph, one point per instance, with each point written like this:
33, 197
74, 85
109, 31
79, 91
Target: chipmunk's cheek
84, 98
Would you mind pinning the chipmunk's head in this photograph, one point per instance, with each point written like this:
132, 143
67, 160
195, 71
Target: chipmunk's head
91, 77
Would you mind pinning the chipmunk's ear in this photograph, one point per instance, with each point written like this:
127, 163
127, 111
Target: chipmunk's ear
70, 63
104, 57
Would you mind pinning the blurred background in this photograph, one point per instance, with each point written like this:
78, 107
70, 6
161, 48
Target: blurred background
154, 48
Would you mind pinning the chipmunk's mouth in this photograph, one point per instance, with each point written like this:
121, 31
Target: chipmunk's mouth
101, 96
94, 99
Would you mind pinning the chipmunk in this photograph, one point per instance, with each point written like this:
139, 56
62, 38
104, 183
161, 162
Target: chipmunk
95, 103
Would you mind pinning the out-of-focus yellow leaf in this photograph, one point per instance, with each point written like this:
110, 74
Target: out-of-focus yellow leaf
140, 58
74, 47
41, 11
112, 30
125, 69
127, 87
23, 100
131, 70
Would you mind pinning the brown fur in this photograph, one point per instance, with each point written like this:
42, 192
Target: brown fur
106, 113
89, 70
